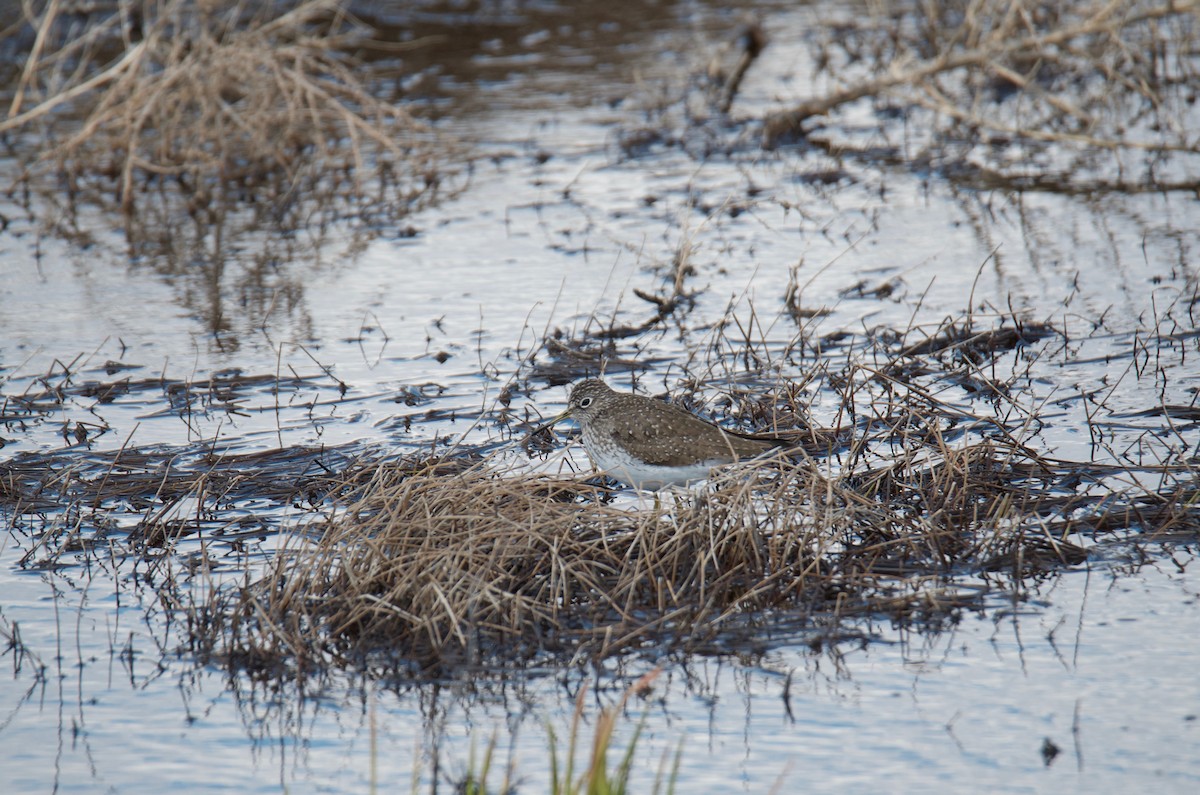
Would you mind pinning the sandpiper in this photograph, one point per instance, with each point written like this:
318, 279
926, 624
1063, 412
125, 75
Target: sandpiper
648, 444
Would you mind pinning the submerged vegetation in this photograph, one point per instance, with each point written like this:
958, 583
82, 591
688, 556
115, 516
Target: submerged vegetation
427, 565
439, 569
1071, 97
1095, 75
920, 485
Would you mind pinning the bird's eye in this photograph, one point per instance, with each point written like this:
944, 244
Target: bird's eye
585, 402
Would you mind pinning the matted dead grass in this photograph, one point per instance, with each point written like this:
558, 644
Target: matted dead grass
1107, 75
443, 566
1076, 96
928, 494
928, 491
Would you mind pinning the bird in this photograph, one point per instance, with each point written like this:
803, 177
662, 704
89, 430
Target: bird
648, 444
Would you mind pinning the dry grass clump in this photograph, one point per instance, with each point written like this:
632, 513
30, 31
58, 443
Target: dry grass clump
925, 491
1026, 94
441, 566
452, 565
1100, 75
221, 101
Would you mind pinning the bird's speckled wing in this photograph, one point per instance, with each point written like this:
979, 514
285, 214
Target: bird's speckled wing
687, 439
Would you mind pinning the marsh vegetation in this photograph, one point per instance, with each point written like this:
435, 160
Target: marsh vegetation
942, 465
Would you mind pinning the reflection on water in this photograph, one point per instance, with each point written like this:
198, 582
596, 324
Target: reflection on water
350, 336
972, 706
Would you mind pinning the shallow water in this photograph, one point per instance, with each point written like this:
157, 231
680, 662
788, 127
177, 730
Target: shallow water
1099, 661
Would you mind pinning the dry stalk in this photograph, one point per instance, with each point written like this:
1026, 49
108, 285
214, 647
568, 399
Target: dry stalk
216, 98
1048, 52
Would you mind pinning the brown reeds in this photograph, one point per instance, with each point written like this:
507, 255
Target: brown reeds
442, 566
929, 494
454, 565
228, 104
1104, 75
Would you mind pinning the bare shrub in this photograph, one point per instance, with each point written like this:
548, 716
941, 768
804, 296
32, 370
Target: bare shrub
227, 104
